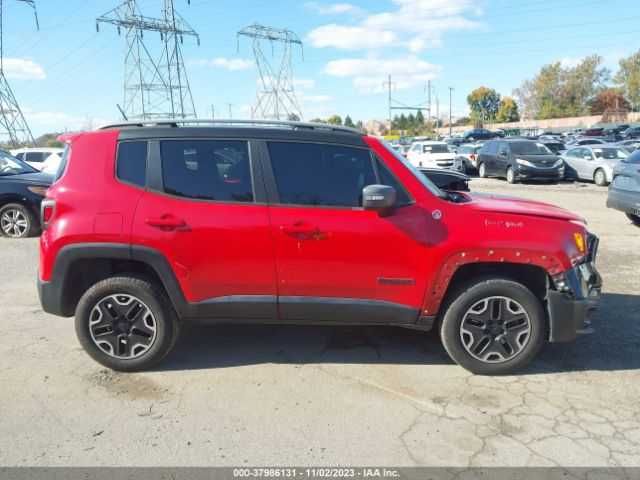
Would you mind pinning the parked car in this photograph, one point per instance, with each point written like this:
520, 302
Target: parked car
630, 145
476, 134
22, 188
586, 141
593, 162
430, 154
44, 159
149, 226
519, 160
631, 132
466, 158
624, 192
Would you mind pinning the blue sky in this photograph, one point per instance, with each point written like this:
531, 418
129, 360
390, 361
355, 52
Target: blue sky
68, 76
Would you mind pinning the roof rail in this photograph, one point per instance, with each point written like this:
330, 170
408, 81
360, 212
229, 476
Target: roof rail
174, 123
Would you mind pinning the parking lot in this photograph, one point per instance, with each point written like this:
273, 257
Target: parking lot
249, 395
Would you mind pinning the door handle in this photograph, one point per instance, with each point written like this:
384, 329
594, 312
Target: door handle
303, 231
167, 223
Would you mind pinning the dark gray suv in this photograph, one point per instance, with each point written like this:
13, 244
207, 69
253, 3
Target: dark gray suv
624, 193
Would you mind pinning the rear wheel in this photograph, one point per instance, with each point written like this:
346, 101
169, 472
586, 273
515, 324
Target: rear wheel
494, 327
600, 178
482, 171
635, 219
126, 323
511, 176
16, 221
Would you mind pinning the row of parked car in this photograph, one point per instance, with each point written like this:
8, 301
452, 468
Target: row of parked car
545, 158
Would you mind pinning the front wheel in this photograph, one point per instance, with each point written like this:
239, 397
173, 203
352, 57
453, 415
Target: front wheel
635, 219
126, 323
511, 176
482, 170
600, 178
494, 327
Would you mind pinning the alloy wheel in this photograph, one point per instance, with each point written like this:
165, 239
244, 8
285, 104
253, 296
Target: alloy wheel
122, 326
14, 223
495, 329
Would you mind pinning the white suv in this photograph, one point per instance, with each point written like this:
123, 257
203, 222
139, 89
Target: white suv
43, 159
431, 154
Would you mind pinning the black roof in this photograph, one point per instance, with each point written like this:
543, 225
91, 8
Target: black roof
239, 129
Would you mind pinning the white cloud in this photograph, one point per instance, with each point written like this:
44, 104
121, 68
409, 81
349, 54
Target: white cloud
370, 74
47, 121
230, 64
413, 24
570, 62
23, 69
304, 83
333, 8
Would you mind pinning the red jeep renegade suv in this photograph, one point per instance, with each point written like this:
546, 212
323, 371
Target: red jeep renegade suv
151, 225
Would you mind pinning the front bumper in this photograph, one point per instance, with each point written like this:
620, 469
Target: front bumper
529, 173
572, 303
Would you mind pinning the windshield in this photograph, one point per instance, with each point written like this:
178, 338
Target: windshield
428, 184
529, 148
436, 148
610, 153
12, 166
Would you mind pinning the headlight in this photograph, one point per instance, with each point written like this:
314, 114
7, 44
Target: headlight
559, 163
42, 191
524, 163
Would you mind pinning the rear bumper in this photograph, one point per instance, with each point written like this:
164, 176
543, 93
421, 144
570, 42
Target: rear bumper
571, 305
51, 299
625, 201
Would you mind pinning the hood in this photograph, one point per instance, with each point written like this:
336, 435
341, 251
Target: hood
519, 206
544, 160
35, 178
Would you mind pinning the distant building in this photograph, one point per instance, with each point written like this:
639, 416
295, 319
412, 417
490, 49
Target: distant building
376, 127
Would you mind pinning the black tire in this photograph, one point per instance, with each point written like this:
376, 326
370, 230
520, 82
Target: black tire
600, 178
27, 227
452, 331
165, 322
482, 170
635, 219
511, 176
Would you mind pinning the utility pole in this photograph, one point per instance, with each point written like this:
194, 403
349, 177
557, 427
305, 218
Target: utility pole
389, 85
276, 96
428, 101
450, 110
12, 121
153, 88
230, 105
213, 112
437, 110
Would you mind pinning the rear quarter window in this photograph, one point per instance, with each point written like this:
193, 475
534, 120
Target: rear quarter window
132, 163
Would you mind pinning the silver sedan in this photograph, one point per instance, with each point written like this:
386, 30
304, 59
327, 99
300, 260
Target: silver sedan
593, 162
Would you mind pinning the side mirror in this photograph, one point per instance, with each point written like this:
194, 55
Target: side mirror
380, 198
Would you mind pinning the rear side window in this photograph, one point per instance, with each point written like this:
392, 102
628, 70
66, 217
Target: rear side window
35, 157
132, 163
207, 169
323, 175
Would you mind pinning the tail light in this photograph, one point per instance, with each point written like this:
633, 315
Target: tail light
47, 209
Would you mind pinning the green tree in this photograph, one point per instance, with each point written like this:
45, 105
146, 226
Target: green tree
420, 119
484, 103
348, 122
334, 120
508, 111
558, 91
628, 78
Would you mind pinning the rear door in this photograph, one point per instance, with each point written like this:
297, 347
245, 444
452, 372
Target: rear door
337, 262
205, 214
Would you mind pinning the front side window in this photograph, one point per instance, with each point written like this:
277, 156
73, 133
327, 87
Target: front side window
207, 169
320, 175
385, 177
12, 166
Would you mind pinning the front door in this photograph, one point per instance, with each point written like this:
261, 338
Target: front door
335, 261
202, 216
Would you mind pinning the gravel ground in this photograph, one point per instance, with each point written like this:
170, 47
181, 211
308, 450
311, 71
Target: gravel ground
250, 395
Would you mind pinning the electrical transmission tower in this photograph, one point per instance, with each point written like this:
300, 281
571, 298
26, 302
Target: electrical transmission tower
12, 121
276, 96
154, 86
